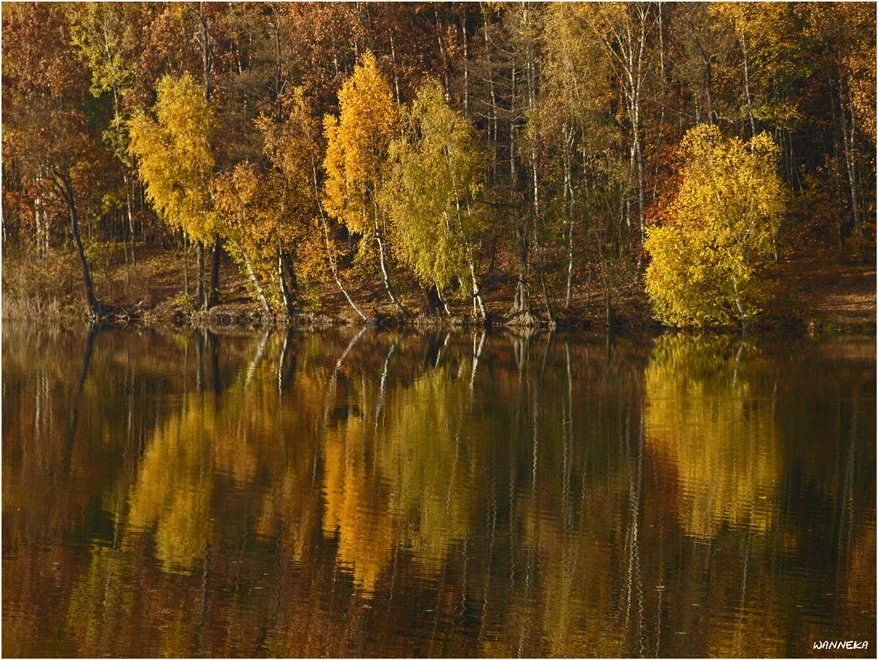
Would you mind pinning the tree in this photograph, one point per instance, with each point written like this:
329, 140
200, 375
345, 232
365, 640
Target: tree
252, 206
623, 30
45, 131
708, 257
175, 159
295, 148
106, 41
575, 101
356, 158
436, 174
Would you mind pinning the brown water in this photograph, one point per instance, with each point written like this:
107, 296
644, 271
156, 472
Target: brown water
436, 495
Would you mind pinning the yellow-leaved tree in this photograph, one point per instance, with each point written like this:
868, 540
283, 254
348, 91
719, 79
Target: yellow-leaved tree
708, 259
295, 147
356, 162
262, 230
175, 159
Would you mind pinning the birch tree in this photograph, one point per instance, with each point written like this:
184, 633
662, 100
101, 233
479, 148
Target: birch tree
436, 176
356, 159
175, 159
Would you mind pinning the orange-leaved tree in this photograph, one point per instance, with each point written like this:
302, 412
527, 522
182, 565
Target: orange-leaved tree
356, 162
47, 135
295, 147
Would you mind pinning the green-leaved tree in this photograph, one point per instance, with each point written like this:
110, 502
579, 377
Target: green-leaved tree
437, 173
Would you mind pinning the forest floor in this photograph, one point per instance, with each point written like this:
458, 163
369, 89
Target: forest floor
816, 294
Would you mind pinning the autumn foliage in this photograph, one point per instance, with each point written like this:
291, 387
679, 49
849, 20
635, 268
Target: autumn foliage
708, 258
454, 149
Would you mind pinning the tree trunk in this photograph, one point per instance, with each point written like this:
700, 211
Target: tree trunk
442, 300
465, 67
477, 293
383, 262
200, 299
385, 276
569, 265
131, 228
256, 285
848, 157
740, 304
521, 302
205, 51
284, 289
568, 194
185, 264
65, 187
747, 87
535, 162
334, 268
213, 292
274, 24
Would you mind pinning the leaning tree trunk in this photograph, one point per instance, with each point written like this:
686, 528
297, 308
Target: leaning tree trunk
332, 265
65, 187
383, 263
260, 292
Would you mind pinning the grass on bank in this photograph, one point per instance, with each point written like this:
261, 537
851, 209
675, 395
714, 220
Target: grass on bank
813, 292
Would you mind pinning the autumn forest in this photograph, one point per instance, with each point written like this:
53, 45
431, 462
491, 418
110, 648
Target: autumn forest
482, 160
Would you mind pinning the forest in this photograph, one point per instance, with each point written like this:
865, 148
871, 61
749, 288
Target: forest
492, 161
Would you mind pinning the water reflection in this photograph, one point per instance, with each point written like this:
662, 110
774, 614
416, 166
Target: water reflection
171, 495
445, 494
711, 415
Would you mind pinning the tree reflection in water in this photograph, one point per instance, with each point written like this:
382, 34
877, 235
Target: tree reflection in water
448, 494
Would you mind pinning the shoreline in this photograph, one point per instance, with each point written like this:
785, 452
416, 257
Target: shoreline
815, 297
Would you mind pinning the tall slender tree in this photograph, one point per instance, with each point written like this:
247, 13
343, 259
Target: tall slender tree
45, 129
356, 159
175, 159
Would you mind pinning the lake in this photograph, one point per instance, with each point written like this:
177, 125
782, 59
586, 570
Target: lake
389, 494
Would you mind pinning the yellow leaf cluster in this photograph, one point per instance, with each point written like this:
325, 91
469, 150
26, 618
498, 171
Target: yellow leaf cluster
356, 146
174, 156
707, 263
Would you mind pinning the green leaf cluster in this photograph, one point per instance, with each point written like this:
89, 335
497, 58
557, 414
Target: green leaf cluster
436, 174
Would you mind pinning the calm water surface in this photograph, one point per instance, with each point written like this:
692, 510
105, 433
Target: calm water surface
436, 495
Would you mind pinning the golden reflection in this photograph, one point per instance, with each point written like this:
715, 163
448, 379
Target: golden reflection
429, 463
100, 595
356, 502
174, 485
708, 417
401, 474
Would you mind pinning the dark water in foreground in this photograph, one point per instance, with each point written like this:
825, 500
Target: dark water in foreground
436, 495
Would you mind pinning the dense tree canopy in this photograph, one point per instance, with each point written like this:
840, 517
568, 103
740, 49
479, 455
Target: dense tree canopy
518, 148
706, 260
435, 181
